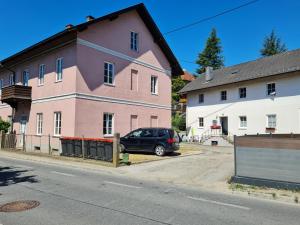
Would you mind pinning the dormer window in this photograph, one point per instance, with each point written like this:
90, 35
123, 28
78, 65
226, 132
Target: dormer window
134, 41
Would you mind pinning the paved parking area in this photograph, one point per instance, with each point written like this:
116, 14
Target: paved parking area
210, 169
185, 150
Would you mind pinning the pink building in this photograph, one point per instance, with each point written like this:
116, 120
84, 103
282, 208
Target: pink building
110, 74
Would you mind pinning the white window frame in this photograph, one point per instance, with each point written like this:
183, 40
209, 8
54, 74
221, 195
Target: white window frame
201, 102
243, 124
267, 88
12, 79
59, 69
1, 85
39, 123
108, 75
199, 124
25, 74
274, 123
134, 41
241, 92
41, 76
57, 121
154, 85
224, 91
106, 124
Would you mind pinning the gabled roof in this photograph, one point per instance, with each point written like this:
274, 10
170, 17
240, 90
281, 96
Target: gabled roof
187, 76
264, 67
66, 36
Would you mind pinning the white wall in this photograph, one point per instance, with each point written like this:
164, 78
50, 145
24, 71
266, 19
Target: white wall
256, 106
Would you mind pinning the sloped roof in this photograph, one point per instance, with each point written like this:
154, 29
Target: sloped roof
68, 35
187, 76
263, 67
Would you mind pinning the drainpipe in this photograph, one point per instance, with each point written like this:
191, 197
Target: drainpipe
13, 108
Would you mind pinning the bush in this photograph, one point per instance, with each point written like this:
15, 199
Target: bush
178, 122
4, 125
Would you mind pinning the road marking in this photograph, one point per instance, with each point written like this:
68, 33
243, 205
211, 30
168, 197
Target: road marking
219, 203
122, 185
64, 174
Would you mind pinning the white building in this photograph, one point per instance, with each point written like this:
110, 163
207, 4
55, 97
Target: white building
260, 96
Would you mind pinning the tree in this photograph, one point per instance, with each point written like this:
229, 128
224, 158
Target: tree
211, 55
178, 122
4, 125
272, 45
177, 85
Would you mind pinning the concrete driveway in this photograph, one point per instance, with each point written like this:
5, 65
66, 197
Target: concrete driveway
211, 169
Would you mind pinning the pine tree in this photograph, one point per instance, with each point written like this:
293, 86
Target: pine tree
272, 45
211, 55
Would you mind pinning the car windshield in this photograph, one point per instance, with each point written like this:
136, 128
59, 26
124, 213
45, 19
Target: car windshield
136, 133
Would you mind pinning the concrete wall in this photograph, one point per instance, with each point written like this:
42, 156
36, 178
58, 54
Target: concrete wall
257, 105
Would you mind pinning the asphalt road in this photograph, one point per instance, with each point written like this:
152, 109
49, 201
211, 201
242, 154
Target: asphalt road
75, 196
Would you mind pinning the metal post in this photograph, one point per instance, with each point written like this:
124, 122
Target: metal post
49, 145
82, 146
23, 138
116, 150
1, 138
234, 146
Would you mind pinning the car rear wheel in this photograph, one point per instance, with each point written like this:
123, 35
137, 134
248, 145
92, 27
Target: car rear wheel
160, 150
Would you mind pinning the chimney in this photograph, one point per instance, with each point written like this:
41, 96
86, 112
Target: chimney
209, 73
89, 18
69, 26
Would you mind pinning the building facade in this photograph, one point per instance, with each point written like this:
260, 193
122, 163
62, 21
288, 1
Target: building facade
110, 74
261, 96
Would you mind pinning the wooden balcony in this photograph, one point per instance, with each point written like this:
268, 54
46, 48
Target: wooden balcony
14, 94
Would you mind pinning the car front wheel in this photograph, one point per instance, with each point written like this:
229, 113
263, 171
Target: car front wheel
122, 148
160, 150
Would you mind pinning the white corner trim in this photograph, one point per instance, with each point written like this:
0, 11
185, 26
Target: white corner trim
121, 55
100, 99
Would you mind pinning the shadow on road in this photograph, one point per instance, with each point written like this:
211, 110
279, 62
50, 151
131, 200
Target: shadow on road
11, 175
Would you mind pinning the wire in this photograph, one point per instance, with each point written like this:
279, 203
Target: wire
210, 17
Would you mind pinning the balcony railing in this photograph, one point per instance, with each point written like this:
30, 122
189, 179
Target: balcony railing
14, 94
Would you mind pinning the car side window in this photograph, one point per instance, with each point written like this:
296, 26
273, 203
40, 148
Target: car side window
162, 133
147, 133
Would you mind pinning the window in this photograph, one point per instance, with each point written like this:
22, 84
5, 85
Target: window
201, 122
271, 122
41, 74
147, 133
39, 123
243, 122
12, 79
154, 85
201, 98
271, 89
135, 133
1, 85
243, 92
223, 95
134, 41
108, 73
57, 123
25, 77
108, 124
59, 69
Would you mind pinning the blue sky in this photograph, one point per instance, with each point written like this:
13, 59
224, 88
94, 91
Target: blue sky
24, 23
